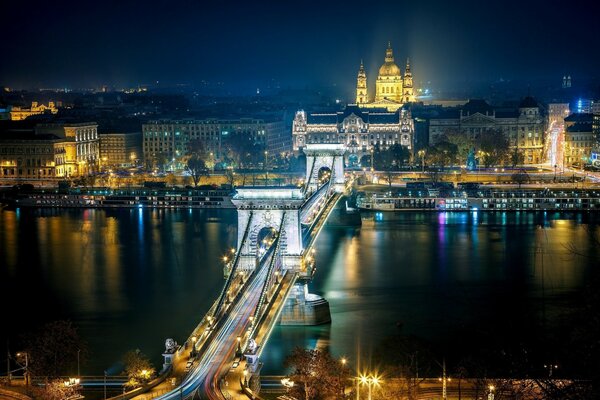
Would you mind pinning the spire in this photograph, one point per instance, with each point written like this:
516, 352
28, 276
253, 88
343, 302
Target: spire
361, 70
407, 65
389, 54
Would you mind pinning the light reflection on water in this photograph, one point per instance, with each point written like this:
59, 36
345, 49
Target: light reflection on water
132, 278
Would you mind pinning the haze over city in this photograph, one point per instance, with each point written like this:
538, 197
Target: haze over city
246, 45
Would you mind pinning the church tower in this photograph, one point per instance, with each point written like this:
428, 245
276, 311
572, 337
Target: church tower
409, 94
361, 85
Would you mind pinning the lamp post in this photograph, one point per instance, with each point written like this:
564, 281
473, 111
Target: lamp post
491, 392
550, 368
105, 385
444, 379
266, 167
26, 367
369, 380
421, 154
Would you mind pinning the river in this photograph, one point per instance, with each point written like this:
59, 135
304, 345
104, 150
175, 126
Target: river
132, 278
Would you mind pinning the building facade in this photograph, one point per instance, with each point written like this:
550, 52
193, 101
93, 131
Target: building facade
523, 126
20, 113
557, 112
580, 138
81, 146
360, 130
169, 139
392, 90
120, 149
29, 156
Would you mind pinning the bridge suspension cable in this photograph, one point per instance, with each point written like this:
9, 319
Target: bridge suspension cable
312, 170
276, 257
234, 266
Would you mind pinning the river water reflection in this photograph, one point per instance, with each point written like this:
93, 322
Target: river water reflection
131, 278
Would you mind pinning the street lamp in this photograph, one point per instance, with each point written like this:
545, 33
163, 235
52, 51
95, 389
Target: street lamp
26, 367
550, 368
193, 352
491, 392
421, 154
369, 380
266, 167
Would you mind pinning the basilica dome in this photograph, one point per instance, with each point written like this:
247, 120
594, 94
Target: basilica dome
389, 67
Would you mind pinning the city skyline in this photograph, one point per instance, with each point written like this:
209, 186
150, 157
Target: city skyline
252, 46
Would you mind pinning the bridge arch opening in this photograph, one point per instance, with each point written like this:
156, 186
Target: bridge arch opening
264, 239
324, 175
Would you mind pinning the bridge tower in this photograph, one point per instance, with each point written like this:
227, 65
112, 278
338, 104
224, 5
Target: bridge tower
326, 155
264, 207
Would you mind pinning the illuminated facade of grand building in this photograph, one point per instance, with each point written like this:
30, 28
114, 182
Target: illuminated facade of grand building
375, 120
358, 128
392, 90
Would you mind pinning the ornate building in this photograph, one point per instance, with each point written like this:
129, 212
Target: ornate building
523, 126
391, 89
359, 129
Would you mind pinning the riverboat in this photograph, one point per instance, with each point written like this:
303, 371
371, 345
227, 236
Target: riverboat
483, 199
122, 198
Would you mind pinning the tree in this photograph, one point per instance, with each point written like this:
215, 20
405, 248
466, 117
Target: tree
463, 142
160, 161
196, 168
408, 357
316, 374
53, 349
517, 157
442, 154
138, 368
494, 147
230, 176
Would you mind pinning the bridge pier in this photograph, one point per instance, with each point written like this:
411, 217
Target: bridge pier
304, 308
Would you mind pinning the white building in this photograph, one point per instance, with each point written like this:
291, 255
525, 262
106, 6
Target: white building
360, 130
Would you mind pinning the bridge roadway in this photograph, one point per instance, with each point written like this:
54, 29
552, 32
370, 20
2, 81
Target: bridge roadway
223, 345
215, 359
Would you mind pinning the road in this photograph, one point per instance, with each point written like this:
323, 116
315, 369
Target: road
218, 355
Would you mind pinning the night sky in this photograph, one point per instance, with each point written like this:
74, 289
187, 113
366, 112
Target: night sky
293, 43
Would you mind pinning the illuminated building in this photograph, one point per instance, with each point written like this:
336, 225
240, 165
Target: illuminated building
359, 129
44, 151
81, 146
120, 149
25, 155
167, 140
391, 89
557, 112
579, 138
20, 113
523, 126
